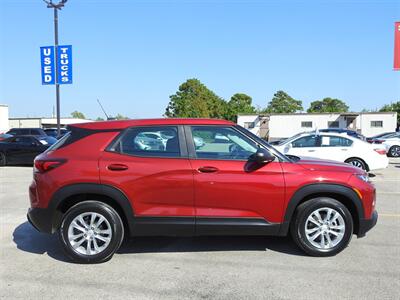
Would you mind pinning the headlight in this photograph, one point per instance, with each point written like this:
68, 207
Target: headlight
363, 177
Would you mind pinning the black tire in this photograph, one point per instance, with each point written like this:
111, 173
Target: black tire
3, 160
357, 162
394, 151
298, 226
114, 225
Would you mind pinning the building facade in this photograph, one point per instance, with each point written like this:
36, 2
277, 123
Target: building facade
278, 126
43, 122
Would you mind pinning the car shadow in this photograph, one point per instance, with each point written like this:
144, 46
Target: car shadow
28, 239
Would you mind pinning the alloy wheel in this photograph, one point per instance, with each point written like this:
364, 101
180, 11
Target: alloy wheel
395, 151
325, 228
89, 233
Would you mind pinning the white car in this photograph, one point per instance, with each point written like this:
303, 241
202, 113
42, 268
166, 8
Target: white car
338, 147
392, 144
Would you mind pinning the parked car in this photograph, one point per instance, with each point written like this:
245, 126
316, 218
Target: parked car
4, 136
26, 131
377, 138
338, 147
346, 131
392, 145
22, 149
53, 132
93, 188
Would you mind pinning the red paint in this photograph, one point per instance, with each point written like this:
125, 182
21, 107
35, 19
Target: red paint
188, 187
396, 64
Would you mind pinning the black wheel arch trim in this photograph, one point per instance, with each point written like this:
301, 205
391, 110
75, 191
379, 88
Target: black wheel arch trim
67, 191
320, 188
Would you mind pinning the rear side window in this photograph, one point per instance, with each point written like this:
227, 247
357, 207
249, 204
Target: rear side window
157, 141
335, 141
61, 142
36, 132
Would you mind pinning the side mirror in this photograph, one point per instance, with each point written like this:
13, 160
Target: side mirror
262, 156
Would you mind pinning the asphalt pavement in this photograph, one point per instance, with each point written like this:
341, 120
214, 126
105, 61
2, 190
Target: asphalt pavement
33, 266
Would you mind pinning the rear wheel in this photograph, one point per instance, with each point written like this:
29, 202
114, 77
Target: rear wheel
322, 227
91, 232
357, 163
3, 161
394, 151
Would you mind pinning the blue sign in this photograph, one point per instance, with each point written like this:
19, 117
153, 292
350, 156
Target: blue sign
47, 65
64, 64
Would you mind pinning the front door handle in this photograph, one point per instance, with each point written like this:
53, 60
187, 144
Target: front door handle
207, 169
311, 150
117, 167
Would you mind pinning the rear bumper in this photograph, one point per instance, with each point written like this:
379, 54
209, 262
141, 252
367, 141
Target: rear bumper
367, 224
42, 219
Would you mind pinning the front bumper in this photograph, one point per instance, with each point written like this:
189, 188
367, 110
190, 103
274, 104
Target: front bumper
43, 219
366, 224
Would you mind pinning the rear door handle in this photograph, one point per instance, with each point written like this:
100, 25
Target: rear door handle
207, 169
117, 167
311, 150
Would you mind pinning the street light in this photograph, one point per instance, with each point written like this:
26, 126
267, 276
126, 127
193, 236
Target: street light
56, 7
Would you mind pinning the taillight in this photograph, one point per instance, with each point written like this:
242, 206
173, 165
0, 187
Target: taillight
380, 151
42, 166
378, 142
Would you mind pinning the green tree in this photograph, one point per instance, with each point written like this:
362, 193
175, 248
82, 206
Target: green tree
283, 103
78, 115
239, 103
120, 117
99, 119
194, 100
328, 105
395, 107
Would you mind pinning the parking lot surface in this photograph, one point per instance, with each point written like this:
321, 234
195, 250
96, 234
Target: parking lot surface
33, 266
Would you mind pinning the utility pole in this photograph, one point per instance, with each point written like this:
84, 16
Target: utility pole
56, 7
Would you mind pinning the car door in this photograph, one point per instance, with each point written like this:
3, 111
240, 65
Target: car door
231, 195
334, 147
157, 180
22, 150
307, 145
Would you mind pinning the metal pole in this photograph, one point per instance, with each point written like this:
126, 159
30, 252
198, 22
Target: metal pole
56, 66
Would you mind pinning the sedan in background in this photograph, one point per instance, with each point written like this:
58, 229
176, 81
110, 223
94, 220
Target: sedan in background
22, 149
377, 139
26, 131
336, 147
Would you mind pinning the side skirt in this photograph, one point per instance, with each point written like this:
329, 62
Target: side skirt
190, 226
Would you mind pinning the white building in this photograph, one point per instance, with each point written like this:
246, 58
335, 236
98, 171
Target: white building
43, 122
3, 118
278, 126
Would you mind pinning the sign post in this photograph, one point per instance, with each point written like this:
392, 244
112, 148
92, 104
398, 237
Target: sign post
54, 65
396, 64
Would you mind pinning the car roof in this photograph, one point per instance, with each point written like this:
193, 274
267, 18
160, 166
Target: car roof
122, 124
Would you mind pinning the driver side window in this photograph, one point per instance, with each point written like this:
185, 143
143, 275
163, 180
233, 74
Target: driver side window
217, 142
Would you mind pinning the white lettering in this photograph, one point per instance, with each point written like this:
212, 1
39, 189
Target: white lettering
63, 50
64, 61
47, 70
64, 73
47, 61
47, 78
64, 68
46, 51
63, 56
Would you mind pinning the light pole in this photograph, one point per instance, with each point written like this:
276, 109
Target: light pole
56, 7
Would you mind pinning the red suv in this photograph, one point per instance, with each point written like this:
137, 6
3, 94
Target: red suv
187, 177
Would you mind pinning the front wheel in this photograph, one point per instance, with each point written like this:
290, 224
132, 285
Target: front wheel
394, 151
322, 227
91, 232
